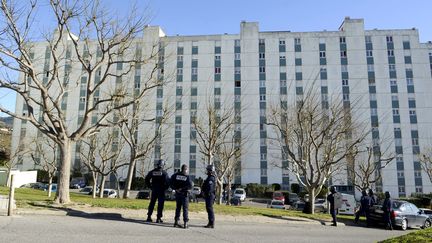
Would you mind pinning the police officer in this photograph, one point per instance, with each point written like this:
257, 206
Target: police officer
373, 197
387, 207
181, 183
158, 180
365, 204
209, 189
331, 200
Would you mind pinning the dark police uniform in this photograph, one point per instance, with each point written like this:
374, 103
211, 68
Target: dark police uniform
331, 200
387, 208
181, 183
365, 204
158, 181
209, 189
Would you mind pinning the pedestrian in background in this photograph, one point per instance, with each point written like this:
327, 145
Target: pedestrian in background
209, 190
158, 180
387, 208
365, 204
331, 198
182, 184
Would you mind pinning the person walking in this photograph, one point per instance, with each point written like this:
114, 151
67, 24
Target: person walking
365, 204
331, 198
158, 180
182, 184
387, 208
209, 190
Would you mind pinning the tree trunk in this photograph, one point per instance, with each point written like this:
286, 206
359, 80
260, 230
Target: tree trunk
94, 177
117, 182
219, 190
129, 176
50, 185
312, 200
102, 186
62, 195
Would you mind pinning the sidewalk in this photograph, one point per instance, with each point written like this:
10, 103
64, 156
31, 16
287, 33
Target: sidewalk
86, 211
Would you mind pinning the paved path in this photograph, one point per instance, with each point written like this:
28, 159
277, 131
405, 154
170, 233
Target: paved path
99, 227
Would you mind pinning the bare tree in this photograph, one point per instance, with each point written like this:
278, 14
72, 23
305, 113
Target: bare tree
140, 131
315, 139
368, 164
46, 156
426, 162
70, 47
102, 155
216, 139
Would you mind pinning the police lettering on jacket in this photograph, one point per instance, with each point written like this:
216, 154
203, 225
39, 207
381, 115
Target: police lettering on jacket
157, 179
181, 183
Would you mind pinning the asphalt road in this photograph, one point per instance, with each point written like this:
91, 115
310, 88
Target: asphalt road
106, 228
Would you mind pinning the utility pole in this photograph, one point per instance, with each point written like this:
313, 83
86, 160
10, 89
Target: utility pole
11, 195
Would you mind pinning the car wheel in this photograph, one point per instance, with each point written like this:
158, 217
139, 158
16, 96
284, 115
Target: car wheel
427, 224
404, 224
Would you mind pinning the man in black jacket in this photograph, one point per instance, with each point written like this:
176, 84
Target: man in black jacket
158, 180
387, 208
331, 200
181, 183
209, 189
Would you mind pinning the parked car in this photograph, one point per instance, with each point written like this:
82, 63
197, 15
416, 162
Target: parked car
298, 205
53, 187
240, 193
278, 204
77, 183
404, 215
196, 190
88, 190
320, 205
427, 212
35, 185
348, 204
144, 194
109, 193
278, 196
170, 194
291, 198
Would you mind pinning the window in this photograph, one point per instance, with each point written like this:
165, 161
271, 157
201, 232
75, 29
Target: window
419, 189
396, 112
281, 57
263, 156
342, 39
389, 38
390, 53
218, 57
415, 141
178, 127
261, 42
283, 83
394, 98
82, 99
410, 81
370, 68
179, 71
262, 97
262, 69
262, 55
343, 54
417, 173
322, 54
263, 172
345, 97
237, 43
374, 112
297, 41
262, 83
392, 67
194, 71
344, 68
236, 56
218, 70
281, 41
178, 141
400, 174
344, 82
402, 189
263, 141
179, 58
412, 112
393, 82
237, 70
368, 39
369, 53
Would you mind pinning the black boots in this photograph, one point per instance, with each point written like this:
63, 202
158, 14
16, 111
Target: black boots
149, 220
186, 225
159, 220
176, 224
209, 226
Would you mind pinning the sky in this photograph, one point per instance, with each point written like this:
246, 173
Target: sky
201, 17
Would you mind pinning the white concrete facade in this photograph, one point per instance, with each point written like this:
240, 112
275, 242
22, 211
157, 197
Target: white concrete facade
258, 60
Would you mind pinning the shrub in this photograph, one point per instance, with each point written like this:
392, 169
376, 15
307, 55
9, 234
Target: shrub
256, 190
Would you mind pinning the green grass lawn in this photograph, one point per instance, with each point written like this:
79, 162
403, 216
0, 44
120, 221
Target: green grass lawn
31, 197
419, 236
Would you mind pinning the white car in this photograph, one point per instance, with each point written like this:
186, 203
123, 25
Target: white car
109, 193
240, 193
279, 204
